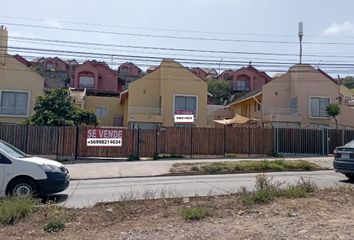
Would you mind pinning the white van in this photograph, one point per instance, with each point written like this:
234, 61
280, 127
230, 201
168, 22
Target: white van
25, 175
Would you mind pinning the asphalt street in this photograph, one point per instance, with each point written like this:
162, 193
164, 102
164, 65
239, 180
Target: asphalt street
86, 193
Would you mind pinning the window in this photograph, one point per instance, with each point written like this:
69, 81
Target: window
241, 85
227, 76
318, 106
143, 125
101, 112
124, 70
187, 103
50, 66
293, 103
14, 103
86, 81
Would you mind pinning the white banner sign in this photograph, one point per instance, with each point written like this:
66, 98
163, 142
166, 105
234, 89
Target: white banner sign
104, 137
182, 118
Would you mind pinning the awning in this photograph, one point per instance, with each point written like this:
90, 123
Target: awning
238, 119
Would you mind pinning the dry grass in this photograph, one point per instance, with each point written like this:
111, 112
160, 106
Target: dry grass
244, 166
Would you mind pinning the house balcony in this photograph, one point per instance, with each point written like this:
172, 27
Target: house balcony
144, 114
282, 115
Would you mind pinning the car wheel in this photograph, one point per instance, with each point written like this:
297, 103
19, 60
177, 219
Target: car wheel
23, 188
350, 176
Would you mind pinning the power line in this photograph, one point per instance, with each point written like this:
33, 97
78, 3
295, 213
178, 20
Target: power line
175, 37
147, 35
187, 50
174, 78
172, 30
155, 58
217, 58
268, 68
214, 58
155, 29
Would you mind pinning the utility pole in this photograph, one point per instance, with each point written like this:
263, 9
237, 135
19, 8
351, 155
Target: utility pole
219, 65
301, 33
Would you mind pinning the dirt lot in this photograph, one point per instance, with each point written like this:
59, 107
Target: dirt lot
326, 214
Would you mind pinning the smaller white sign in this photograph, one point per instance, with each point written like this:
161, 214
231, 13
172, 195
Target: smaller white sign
183, 118
104, 142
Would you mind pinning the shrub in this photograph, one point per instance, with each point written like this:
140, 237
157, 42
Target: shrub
258, 166
165, 156
299, 164
293, 192
278, 155
195, 213
13, 209
261, 196
265, 182
307, 184
57, 217
195, 169
54, 225
133, 158
267, 190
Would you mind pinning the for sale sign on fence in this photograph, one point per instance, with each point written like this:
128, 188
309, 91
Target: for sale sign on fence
104, 137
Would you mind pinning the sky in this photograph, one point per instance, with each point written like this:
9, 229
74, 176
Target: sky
221, 34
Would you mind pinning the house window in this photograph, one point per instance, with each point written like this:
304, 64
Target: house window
227, 76
50, 66
293, 103
318, 106
241, 85
101, 112
86, 81
14, 103
187, 103
124, 70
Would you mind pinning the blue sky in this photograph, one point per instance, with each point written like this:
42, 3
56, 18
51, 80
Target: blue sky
252, 20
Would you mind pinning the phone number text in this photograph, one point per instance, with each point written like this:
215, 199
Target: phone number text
104, 142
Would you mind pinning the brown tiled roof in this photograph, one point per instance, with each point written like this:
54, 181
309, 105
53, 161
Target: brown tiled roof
250, 94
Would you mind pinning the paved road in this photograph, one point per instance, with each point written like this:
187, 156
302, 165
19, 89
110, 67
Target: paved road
85, 193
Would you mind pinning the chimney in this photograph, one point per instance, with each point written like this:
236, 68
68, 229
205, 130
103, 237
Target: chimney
3, 44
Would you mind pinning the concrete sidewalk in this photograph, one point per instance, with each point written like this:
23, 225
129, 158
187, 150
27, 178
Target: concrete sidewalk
148, 168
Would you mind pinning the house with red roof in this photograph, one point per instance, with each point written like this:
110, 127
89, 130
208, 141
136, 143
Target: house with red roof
245, 79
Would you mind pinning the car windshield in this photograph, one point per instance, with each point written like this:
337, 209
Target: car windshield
350, 144
11, 150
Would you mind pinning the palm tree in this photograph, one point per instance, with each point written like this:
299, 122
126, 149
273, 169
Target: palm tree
333, 110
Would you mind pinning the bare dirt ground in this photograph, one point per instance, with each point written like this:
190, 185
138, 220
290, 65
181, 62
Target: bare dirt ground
325, 214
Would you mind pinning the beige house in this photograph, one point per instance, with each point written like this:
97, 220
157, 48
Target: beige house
19, 86
107, 108
297, 99
154, 99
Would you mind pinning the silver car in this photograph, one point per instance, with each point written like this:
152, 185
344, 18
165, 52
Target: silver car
344, 160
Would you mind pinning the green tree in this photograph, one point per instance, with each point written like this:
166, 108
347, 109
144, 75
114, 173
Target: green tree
220, 89
333, 110
57, 108
348, 81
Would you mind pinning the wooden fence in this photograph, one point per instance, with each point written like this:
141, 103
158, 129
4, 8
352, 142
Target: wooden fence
71, 141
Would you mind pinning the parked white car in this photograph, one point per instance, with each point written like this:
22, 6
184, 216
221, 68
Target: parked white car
25, 175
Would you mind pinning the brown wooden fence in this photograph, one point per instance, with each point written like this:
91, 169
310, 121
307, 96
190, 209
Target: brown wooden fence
71, 141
